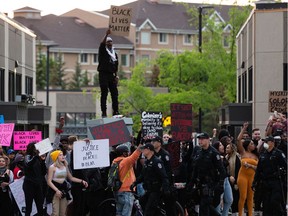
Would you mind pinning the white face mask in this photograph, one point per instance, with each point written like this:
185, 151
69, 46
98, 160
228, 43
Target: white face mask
265, 145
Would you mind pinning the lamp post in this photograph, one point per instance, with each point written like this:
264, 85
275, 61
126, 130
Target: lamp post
16, 65
48, 71
200, 10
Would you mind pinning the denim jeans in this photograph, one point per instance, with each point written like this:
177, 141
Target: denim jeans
124, 203
227, 198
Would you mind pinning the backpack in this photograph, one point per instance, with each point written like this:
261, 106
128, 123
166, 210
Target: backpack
114, 183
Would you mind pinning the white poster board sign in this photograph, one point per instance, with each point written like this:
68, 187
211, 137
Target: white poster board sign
44, 146
119, 20
91, 154
17, 191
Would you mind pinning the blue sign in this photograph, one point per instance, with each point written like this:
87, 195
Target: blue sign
1, 119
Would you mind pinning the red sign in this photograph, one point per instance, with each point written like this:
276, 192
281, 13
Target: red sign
117, 132
174, 150
181, 121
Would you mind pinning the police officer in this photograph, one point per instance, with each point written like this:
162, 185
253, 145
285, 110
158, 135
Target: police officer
208, 175
162, 154
271, 170
154, 178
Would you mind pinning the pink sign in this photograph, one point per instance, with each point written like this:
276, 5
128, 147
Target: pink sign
23, 138
6, 131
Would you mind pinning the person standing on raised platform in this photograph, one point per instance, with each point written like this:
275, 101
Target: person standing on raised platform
108, 79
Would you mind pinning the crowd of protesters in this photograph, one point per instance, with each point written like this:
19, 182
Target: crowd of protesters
222, 175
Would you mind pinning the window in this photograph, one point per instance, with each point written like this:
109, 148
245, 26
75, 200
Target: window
83, 58
226, 41
163, 38
239, 89
188, 39
2, 82
250, 84
137, 38
29, 85
285, 77
124, 60
145, 37
244, 87
11, 86
18, 84
76, 119
95, 58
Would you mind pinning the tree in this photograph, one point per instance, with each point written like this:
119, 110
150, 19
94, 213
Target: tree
40, 70
77, 80
57, 72
85, 79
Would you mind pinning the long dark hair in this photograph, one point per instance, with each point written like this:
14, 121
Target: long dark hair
31, 149
246, 144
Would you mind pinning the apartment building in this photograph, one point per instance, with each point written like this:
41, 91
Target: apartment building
18, 78
262, 59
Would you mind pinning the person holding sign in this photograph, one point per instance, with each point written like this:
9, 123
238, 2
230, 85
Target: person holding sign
108, 68
6, 177
57, 175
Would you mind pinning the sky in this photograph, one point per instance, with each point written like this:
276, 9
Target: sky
59, 7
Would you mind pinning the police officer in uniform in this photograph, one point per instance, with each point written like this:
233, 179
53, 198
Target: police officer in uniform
208, 175
162, 154
271, 171
154, 178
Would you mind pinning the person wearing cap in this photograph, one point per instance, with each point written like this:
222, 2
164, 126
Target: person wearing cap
11, 155
124, 197
271, 171
164, 155
208, 175
58, 174
154, 178
108, 79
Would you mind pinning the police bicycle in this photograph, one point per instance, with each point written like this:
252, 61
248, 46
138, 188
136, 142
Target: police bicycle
108, 208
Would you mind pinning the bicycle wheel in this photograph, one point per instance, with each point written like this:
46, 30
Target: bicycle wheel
179, 209
107, 207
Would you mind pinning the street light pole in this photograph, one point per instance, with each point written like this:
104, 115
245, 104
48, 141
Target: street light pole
200, 10
48, 71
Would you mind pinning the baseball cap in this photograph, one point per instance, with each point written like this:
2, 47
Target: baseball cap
203, 135
158, 139
147, 146
269, 138
10, 151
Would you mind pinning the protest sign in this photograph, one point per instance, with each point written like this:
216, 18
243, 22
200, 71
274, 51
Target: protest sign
278, 101
119, 20
116, 132
174, 150
18, 194
181, 121
91, 154
151, 124
44, 146
6, 131
23, 138
1, 119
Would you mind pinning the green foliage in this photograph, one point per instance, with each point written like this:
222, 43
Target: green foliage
77, 80
57, 72
41, 71
85, 79
206, 80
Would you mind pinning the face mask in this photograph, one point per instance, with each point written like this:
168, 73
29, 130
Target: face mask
265, 145
165, 142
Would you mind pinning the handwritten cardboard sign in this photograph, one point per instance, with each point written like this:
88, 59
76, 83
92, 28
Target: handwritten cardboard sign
23, 138
117, 132
6, 132
181, 121
174, 150
151, 124
18, 194
278, 101
91, 154
119, 20
44, 146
